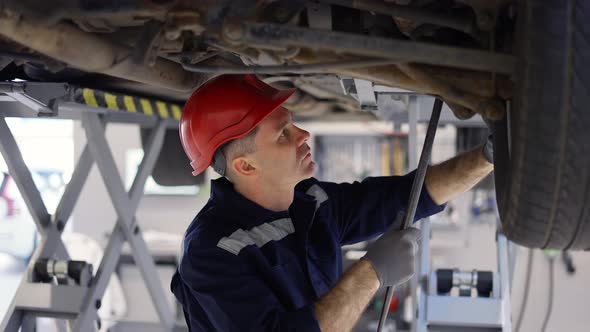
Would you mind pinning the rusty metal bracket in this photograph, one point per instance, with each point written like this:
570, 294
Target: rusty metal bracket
487, 107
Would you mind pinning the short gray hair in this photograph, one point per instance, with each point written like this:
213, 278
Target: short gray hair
228, 150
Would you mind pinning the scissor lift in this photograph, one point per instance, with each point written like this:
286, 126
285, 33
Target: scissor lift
53, 285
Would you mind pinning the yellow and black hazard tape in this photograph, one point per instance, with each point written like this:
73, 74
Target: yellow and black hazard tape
126, 103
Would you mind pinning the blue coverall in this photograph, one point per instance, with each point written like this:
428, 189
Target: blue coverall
246, 268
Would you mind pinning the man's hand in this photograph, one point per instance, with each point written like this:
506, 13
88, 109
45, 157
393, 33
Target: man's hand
392, 256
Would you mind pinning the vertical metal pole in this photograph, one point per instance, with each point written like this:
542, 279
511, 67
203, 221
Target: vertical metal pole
513, 252
415, 193
423, 164
504, 272
419, 307
413, 164
413, 132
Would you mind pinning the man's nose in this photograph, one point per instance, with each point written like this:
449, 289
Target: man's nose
303, 136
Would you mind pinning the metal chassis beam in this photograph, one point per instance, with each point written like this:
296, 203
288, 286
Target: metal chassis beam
267, 35
38, 97
22, 312
57, 100
9, 108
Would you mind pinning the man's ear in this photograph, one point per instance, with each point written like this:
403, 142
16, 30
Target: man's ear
243, 166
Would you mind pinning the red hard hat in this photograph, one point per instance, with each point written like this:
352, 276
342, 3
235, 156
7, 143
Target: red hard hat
225, 108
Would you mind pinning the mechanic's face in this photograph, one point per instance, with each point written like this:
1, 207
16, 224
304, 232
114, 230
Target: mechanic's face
282, 153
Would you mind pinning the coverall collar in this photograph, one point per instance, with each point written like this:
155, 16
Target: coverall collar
249, 213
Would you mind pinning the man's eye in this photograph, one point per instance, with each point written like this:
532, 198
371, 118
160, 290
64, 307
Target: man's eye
284, 133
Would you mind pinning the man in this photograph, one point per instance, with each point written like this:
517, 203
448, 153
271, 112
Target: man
264, 252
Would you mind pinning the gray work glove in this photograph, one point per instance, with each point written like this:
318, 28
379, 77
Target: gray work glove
392, 255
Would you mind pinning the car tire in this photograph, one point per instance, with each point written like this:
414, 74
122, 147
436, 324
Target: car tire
544, 187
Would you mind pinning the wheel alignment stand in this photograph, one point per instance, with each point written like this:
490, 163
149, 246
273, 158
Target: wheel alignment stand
441, 311
77, 304
436, 309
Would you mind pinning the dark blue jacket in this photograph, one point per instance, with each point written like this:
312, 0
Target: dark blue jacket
245, 268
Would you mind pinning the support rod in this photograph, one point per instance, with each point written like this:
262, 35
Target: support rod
415, 193
291, 69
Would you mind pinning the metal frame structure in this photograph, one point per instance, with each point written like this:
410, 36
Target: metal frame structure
264, 34
415, 192
451, 313
389, 104
78, 304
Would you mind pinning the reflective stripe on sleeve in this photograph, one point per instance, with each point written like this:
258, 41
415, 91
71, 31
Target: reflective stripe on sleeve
319, 194
259, 235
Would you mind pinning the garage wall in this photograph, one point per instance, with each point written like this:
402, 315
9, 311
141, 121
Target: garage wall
571, 295
474, 248
471, 245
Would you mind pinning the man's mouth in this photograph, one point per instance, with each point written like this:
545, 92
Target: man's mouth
307, 154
